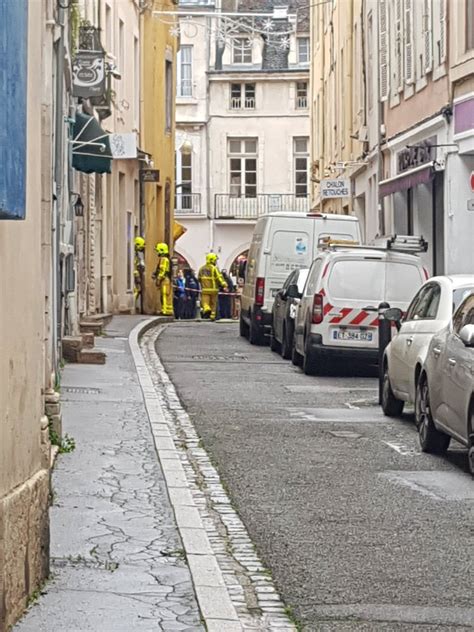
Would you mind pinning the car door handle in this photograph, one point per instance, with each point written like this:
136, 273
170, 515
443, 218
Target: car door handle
452, 362
436, 352
409, 340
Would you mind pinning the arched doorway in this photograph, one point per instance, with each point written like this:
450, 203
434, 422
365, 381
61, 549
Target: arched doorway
237, 269
182, 262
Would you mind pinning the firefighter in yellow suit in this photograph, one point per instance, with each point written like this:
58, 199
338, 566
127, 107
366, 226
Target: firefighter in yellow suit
139, 266
211, 280
162, 276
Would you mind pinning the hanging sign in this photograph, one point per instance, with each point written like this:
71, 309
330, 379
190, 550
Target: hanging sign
123, 146
150, 175
335, 188
88, 71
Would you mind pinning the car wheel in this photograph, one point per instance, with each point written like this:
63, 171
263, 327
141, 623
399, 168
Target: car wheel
296, 358
391, 406
312, 364
470, 442
256, 335
432, 440
286, 343
243, 327
274, 344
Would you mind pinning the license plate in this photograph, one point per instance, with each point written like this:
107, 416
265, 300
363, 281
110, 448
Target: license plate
349, 334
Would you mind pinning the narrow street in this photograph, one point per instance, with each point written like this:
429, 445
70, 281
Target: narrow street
360, 530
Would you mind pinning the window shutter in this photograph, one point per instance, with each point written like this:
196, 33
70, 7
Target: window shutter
383, 46
408, 28
442, 31
398, 65
428, 35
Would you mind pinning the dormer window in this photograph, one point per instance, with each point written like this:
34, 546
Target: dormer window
303, 50
242, 50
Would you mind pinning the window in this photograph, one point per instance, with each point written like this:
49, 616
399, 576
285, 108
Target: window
121, 52
184, 181
242, 50
303, 50
169, 95
469, 24
313, 278
13, 97
301, 95
242, 96
185, 71
300, 151
243, 167
130, 250
420, 304
136, 64
464, 315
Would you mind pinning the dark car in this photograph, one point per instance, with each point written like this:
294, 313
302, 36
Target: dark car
284, 312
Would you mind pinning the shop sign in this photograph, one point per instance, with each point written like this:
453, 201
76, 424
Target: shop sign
150, 175
123, 146
89, 74
416, 155
335, 188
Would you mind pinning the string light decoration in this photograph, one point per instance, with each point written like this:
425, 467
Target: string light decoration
275, 29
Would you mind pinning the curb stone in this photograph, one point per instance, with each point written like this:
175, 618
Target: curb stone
234, 590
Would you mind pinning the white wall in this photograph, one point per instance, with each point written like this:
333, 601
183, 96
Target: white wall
459, 222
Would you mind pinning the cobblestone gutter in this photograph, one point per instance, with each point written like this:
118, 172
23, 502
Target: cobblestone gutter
234, 590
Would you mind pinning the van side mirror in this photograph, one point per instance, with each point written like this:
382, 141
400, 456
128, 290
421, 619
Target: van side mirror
467, 335
292, 291
395, 315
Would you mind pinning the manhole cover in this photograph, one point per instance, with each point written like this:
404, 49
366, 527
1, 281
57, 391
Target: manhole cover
83, 390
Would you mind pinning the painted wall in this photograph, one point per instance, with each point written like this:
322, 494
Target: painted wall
158, 47
24, 444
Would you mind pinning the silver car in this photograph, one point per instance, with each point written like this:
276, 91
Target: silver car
444, 404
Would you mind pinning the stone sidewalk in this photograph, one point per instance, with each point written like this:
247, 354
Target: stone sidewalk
117, 562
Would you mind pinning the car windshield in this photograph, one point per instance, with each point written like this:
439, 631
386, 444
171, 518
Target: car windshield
460, 293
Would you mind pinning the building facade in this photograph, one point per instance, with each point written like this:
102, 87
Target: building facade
25, 238
242, 146
158, 89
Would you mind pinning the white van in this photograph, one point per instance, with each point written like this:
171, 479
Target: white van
282, 242
337, 317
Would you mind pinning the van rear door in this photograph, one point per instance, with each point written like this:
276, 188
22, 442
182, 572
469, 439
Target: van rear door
354, 288
289, 249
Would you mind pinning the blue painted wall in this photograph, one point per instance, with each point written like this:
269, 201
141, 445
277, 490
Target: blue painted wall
13, 88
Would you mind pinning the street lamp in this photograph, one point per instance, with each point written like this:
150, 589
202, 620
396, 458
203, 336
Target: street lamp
186, 148
78, 206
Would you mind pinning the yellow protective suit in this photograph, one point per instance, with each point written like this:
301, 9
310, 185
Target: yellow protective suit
163, 282
211, 280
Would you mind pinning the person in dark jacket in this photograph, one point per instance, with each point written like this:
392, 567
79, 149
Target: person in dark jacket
192, 293
180, 296
225, 301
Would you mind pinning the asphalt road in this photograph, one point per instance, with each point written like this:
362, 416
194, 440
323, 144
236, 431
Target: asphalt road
360, 530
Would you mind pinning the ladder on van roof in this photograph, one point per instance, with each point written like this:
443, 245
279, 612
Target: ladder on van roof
410, 244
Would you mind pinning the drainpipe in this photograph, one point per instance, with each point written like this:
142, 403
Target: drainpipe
382, 229
210, 200
59, 194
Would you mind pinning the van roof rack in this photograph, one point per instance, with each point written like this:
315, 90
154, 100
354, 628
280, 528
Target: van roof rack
397, 243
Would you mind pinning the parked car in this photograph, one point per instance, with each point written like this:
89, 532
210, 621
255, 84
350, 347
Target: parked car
430, 310
283, 242
284, 312
444, 406
337, 317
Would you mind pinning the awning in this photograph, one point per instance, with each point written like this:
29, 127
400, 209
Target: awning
178, 230
403, 181
91, 151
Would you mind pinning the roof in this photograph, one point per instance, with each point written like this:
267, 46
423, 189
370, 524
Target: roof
344, 218
458, 280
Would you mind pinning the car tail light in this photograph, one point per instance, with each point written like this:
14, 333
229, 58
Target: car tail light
318, 309
260, 291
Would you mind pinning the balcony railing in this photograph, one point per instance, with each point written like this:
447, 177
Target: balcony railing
301, 103
247, 103
187, 204
230, 207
